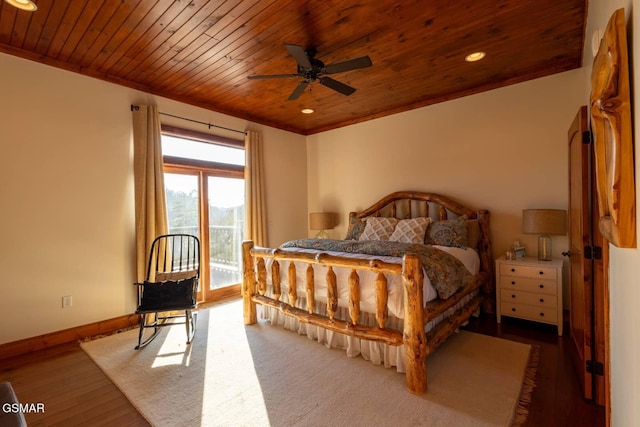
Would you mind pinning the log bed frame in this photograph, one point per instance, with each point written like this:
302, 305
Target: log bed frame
418, 344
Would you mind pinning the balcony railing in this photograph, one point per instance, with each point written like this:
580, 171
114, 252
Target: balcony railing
225, 252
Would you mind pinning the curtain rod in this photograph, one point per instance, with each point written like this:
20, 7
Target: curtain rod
135, 107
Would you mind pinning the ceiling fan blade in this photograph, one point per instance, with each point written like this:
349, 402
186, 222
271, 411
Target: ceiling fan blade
352, 64
336, 85
299, 55
272, 76
299, 90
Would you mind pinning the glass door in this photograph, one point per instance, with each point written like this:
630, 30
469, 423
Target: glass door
183, 206
182, 193
225, 202
220, 228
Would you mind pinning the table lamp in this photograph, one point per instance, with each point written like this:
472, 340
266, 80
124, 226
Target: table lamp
544, 222
321, 221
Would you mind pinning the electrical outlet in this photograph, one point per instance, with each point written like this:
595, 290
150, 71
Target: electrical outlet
67, 301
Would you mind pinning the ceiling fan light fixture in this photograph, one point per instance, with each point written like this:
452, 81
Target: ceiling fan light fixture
27, 5
307, 111
475, 56
311, 69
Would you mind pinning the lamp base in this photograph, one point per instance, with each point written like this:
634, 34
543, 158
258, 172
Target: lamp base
544, 247
322, 234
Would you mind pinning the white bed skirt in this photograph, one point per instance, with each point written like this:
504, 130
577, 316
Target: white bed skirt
377, 353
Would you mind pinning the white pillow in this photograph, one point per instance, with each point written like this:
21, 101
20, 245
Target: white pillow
378, 228
410, 230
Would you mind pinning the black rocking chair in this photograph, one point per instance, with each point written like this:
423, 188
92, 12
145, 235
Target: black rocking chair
171, 285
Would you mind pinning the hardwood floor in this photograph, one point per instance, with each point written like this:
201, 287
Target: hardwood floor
76, 392
557, 399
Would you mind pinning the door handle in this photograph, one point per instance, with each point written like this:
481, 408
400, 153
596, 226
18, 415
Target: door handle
566, 253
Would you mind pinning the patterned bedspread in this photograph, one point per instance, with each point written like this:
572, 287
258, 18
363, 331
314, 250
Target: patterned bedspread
446, 273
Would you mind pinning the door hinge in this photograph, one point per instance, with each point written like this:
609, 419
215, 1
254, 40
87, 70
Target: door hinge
587, 137
595, 368
592, 252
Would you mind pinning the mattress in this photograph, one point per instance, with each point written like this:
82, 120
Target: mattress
377, 353
468, 257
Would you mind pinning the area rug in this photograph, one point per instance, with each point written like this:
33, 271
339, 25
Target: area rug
262, 375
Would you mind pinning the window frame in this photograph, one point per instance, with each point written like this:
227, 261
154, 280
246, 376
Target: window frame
203, 169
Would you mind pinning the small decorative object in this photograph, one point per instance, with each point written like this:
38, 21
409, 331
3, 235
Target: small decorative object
509, 255
544, 222
519, 252
321, 221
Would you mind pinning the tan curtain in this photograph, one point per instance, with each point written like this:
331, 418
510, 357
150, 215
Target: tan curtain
150, 200
256, 213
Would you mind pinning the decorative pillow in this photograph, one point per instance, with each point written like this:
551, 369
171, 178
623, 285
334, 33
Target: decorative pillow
448, 232
356, 227
410, 230
378, 228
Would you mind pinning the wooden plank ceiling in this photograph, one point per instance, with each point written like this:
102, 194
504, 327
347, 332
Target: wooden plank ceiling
200, 52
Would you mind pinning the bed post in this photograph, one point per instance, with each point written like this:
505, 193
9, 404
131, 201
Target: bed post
414, 336
486, 260
248, 284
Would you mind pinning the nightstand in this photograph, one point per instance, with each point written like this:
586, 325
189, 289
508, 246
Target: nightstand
530, 289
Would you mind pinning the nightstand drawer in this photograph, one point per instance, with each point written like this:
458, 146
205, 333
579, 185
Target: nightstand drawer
523, 311
546, 273
538, 300
528, 285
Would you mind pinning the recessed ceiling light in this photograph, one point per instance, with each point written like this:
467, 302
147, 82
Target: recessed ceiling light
307, 111
23, 4
475, 56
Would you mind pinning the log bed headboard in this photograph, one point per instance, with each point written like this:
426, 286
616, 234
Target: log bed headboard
413, 204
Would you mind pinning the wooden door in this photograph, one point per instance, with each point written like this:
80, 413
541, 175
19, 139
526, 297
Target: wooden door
587, 272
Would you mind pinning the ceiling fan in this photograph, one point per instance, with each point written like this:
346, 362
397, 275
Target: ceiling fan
312, 69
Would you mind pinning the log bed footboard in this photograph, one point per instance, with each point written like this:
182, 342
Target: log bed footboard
418, 344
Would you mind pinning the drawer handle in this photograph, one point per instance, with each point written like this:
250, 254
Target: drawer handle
541, 273
513, 270
513, 296
513, 282
541, 299
541, 314
513, 309
541, 286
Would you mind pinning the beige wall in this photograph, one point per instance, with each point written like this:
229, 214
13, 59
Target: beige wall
66, 222
503, 150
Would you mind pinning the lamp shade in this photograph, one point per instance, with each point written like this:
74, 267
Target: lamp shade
321, 221
544, 221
